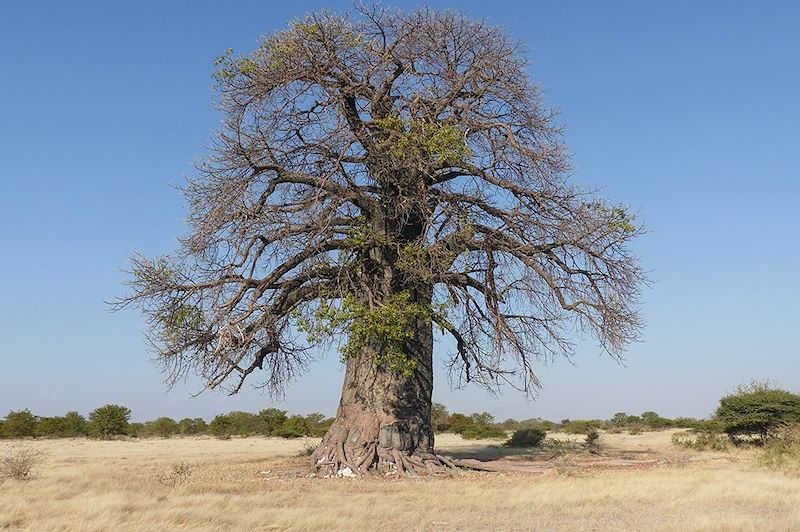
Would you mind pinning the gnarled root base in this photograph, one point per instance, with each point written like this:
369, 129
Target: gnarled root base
352, 453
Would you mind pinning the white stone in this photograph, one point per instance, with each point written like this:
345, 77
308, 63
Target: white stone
346, 472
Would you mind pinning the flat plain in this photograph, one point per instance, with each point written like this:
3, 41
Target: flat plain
635, 482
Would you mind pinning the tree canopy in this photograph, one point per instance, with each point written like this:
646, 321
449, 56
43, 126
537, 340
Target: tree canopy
358, 149
758, 408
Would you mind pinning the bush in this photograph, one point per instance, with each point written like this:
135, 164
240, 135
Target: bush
701, 441
476, 426
19, 424
74, 425
69, 426
482, 432
714, 426
780, 456
526, 438
592, 439
440, 421
581, 426
108, 421
192, 427
50, 427
782, 453
318, 424
757, 409
245, 423
137, 430
293, 427
270, 420
177, 474
19, 465
459, 423
163, 427
221, 426
237, 423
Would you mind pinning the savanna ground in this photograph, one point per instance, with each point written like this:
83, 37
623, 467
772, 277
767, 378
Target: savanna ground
639, 482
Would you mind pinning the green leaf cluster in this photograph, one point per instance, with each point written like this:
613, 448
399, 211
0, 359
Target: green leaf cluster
386, 328
184, 319
621, 221
423, 140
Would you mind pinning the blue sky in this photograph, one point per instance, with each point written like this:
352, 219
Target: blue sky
686, 111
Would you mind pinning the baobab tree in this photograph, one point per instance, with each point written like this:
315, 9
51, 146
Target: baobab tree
381, 178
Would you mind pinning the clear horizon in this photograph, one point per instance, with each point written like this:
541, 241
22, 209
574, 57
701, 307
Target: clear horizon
688, 113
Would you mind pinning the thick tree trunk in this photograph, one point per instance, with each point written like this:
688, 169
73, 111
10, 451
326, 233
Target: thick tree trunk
384, 418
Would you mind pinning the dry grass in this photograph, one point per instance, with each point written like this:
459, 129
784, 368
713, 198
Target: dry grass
253, 484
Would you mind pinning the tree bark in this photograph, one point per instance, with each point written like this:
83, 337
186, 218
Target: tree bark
384, 418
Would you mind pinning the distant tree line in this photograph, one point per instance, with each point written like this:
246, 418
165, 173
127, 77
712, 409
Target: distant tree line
483, 425
753, 410
114, 420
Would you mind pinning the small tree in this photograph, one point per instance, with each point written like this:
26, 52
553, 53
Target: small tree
270, 420
164, 427
756, 409
620, 419
293, 427
527, 437
50, 427
74, 425
318, 424
191, 427
439, 418
221, 426
19, 424
108, 421
137, 430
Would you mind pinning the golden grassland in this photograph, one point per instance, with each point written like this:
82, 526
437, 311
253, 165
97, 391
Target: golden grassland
258, 484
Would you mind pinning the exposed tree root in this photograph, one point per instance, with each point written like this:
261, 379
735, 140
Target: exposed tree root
337, 457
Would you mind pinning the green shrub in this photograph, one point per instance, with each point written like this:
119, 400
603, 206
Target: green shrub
192, 427
482, 432
50, 427
318, 424
708, 425
592, 439
75, 425
459, 423
108, 421
475, 426
701, 441
440, 418
529, 437
19, 424
221, 426
757, 409
244, 423
783, 450
136, 430
270, 420
163, 427
293, 427
581, 426
779, 456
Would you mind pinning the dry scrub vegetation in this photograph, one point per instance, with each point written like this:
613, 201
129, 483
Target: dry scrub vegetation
257, 484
